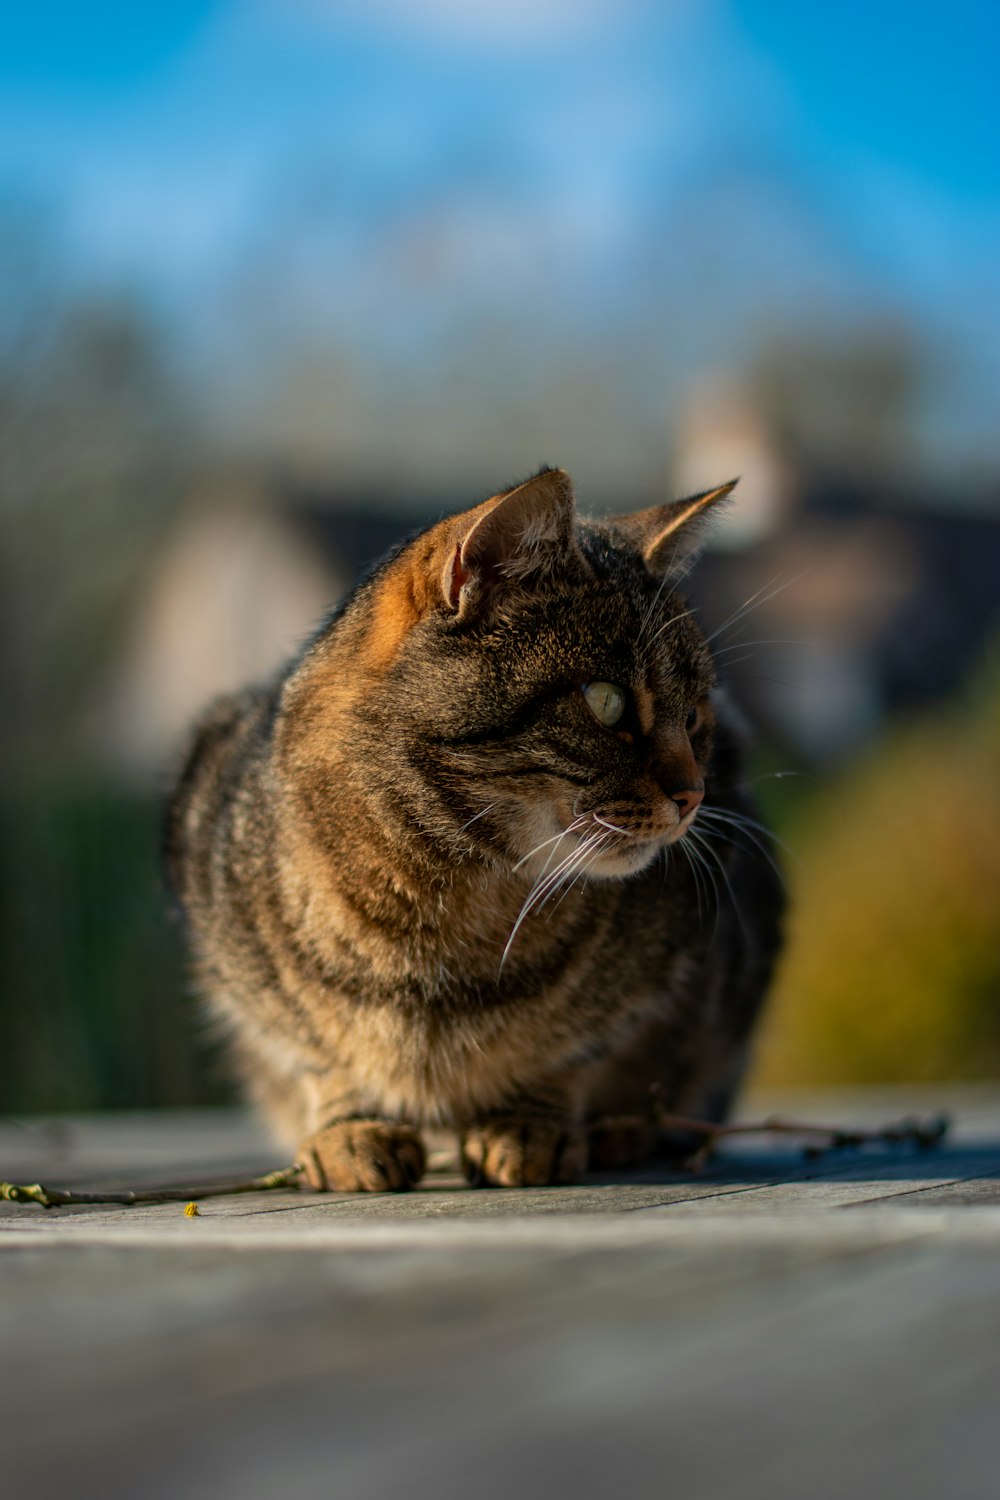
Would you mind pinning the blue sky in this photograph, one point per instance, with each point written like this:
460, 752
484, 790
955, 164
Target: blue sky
164, 129
405, 172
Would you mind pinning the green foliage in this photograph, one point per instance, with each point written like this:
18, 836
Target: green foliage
893, 965
94, 1009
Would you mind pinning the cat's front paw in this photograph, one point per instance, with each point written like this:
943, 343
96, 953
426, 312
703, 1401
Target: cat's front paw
363, 1156
508, 1152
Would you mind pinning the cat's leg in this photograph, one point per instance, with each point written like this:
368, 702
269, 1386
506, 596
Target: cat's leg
352, 1149
620, 1092
536, 1140
616, 1141
629, 1096
626, 1092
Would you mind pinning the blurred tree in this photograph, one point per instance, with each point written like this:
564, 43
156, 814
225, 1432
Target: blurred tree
94, 444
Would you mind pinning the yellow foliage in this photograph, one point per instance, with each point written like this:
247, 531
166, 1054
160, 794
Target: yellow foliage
892, 970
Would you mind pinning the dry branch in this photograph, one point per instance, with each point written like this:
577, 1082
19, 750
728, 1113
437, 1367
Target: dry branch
924, 1135
14, 1192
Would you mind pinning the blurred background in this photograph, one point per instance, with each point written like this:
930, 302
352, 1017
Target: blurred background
281, 279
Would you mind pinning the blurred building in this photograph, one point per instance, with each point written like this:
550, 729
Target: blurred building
853, 607
229, 597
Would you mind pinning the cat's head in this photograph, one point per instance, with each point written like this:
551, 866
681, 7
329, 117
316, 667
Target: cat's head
520, 686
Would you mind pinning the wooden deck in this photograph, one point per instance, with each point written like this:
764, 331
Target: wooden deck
774, 1329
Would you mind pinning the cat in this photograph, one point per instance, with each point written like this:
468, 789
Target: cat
483, 856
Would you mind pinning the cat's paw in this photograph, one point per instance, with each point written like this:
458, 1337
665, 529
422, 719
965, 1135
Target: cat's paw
508, 1152
363, 1156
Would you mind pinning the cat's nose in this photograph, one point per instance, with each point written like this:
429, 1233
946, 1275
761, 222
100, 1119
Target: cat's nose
686, 800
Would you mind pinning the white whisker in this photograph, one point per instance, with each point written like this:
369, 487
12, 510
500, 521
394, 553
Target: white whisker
582, 869
745, 824
545, 886
777, 776
705, 846
647, 618
537, 892
481, 814
571, 828
694, 860
667, 623
740, 645
756, 601
752, 842
613, 826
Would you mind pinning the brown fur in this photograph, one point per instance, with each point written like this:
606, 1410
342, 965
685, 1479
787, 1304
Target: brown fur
355, 844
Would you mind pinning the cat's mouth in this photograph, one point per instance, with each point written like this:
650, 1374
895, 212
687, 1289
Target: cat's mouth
606, 842
616, 849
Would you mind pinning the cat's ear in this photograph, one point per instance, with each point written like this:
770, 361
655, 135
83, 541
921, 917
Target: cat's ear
522, 533
666, 534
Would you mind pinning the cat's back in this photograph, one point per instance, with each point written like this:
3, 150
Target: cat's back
225, 751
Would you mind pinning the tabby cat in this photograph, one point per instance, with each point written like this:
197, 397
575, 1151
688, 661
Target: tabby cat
483, 857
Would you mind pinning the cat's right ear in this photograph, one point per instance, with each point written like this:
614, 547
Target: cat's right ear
667, 534
521, 534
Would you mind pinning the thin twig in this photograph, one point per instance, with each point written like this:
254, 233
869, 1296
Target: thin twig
15, 1192
922, 1134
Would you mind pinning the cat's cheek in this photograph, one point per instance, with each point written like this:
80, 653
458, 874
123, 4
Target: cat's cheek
537, 832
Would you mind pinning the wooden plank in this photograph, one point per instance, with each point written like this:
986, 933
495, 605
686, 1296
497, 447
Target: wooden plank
763, 1372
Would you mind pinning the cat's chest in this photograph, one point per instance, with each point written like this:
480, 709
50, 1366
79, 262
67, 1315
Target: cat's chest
463, 1038
463, 1057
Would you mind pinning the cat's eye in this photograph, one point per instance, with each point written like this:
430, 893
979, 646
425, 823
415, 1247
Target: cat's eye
693, 719
605, 701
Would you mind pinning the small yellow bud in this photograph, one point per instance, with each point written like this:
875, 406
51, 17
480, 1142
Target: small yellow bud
191, 1211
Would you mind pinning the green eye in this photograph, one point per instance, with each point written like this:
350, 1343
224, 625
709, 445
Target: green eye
605, 701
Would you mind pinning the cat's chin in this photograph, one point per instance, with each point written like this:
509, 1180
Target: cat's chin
617, 864
637, 855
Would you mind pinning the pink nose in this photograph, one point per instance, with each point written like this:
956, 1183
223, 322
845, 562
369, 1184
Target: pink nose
687, 800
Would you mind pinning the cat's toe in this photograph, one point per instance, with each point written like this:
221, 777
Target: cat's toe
363, 1156
534, 1153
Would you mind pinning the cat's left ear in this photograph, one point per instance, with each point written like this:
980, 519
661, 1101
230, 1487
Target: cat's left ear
525, 532
666, 534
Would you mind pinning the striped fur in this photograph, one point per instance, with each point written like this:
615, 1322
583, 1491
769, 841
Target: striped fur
425, 885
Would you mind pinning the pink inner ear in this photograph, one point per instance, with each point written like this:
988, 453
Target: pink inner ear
459, 577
